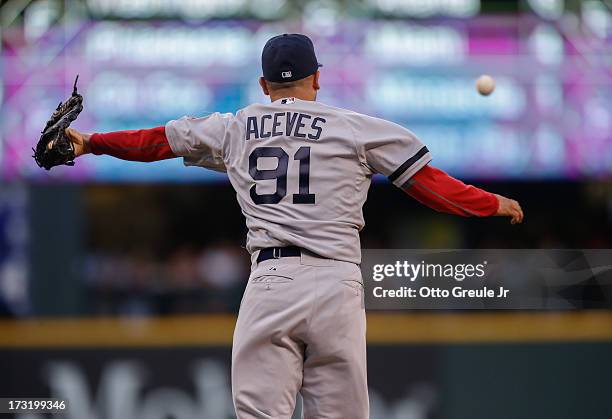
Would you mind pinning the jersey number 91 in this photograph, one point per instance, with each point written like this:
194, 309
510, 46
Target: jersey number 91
280, 174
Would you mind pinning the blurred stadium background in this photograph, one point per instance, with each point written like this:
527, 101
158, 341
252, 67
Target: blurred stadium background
119, 282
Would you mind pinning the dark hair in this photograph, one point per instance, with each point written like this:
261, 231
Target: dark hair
272, 85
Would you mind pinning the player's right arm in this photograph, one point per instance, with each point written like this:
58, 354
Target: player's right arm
393, 151
437, 190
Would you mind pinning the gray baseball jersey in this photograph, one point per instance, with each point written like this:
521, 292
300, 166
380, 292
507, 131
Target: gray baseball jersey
301, 169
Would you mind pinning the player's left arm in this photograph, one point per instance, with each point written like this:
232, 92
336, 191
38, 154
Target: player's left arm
145, 145
199, 141
442, 192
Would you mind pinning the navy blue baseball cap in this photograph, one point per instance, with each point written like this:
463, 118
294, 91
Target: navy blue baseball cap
288, 57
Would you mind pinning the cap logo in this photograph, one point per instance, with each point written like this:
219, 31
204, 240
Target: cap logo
286, 74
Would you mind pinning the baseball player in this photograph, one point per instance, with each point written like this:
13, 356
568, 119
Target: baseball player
301, 171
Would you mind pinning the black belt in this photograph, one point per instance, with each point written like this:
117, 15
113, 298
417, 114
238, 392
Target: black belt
278, 252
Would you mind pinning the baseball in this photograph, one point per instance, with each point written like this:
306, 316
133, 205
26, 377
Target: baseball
485, 85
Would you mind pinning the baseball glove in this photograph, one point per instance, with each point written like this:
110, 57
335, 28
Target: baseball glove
54, 148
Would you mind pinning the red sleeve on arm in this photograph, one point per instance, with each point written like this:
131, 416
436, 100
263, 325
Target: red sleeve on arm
142, 145
444, 193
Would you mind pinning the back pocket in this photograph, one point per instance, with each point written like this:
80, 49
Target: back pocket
270, 279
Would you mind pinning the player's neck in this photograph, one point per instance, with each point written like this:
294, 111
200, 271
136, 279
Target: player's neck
296, 93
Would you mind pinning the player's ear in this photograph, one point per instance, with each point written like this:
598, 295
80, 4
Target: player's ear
315, 81
264, 86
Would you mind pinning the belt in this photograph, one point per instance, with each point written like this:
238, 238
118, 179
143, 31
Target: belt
278, 252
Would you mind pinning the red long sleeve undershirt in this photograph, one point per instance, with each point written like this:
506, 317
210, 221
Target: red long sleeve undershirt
430, 186
145, 145
441, 192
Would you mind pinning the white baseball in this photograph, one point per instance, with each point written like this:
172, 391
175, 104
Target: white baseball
485, 85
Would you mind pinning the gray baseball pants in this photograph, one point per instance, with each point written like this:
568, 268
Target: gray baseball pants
301, 328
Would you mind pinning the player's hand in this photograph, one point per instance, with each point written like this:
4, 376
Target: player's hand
509, 208
79, 140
